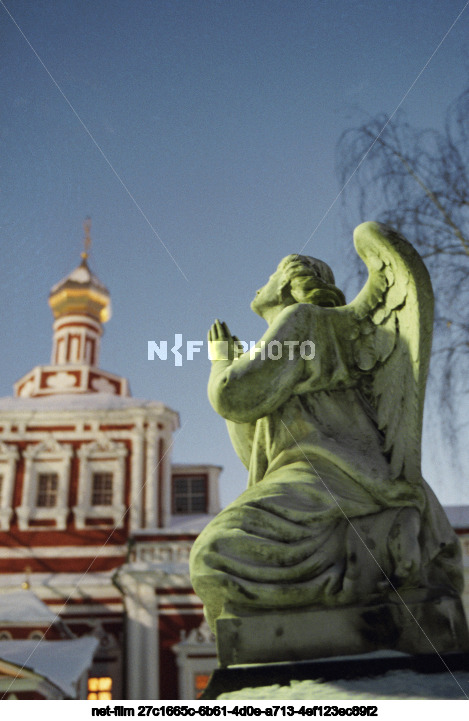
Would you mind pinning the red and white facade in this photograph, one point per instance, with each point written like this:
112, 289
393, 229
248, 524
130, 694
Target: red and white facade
94, 518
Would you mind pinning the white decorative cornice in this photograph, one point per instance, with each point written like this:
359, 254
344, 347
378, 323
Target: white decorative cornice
102, 445
201, 636
102, 456
48, 448
9, 452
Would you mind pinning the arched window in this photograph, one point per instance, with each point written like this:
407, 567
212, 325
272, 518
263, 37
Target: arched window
36, 635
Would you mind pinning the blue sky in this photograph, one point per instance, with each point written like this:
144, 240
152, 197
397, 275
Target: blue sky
221, 119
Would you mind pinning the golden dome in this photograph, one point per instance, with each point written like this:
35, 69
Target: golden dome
81, 293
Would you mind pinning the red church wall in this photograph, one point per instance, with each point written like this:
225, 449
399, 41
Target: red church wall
60, 565
90, 537
170, 627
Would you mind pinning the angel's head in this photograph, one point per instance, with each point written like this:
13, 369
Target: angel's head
298, 279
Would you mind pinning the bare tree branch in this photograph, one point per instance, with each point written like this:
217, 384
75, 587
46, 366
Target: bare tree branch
417, 181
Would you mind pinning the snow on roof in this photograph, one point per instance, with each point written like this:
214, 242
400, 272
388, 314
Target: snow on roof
80, 401
190, 524
61, 580
458, 516
61, 662
24, 606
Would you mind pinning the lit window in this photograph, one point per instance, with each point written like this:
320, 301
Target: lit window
189, 495
100, 688
102, 489
47, 485
200, 683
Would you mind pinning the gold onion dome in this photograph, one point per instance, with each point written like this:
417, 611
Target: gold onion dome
81, 293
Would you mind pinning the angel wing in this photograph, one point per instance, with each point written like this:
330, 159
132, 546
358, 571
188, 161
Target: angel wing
392, 323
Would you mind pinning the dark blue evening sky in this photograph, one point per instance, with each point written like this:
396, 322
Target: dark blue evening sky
221, 118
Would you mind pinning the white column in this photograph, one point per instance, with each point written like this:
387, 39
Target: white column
166, 478
142, 635
137, 492
151, 478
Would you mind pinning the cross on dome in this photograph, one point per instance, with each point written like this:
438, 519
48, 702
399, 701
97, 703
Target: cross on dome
81, 292
87, 238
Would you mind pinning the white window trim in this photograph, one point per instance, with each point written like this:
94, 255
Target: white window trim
102, 456
195, 654
47, 457
189, 494
8, 458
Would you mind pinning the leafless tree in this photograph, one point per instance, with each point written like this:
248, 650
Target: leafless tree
417, 181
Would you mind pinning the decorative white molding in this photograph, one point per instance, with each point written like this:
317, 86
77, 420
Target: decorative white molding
198, 637
41, 381
137, 481
25, 552
166, 490
62, 380
160, 553
28, 388
141, 604
102, 385
46, 457
151, 480
102, 456
103, 445
195, 654
73, 340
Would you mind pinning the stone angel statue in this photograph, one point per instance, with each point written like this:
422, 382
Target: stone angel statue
336, 513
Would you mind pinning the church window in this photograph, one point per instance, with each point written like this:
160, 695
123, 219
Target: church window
100, 688
102, 489
101, 484
200, 683
47, 488
44, 498
189, 494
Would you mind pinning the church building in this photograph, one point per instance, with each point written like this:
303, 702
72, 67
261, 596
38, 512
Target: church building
95, 520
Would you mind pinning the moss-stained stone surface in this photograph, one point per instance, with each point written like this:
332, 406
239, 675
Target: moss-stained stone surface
410, 627
336, 513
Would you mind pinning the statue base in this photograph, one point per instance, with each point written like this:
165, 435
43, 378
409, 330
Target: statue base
365, 676
414, 627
